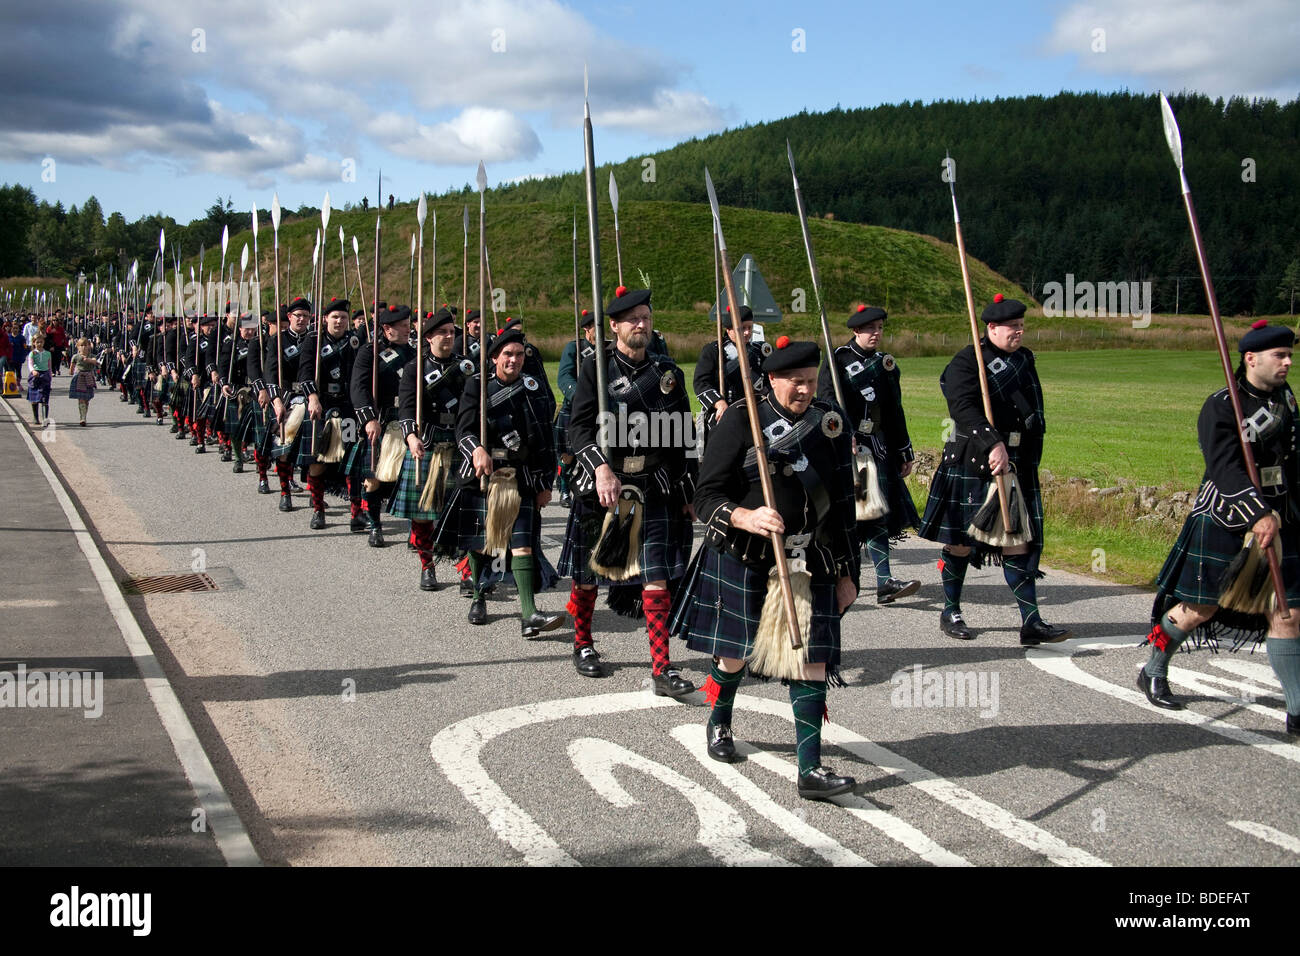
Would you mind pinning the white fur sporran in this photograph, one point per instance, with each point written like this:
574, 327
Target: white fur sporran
1247, 583
392, 449
622, 521
772, 655
294, 422
332, 438
870, 504
435, 485
987, 528
502, 510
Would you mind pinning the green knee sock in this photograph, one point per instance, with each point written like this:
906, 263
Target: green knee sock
877, 541
953, 575
522, 565
808, 701
1158, 663
475, 572
725, 695
1284, 655
1015, 569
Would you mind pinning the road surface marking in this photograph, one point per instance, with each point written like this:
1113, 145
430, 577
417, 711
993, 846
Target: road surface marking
1266, 833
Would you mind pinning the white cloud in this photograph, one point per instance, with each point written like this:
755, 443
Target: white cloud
1218, 47
476, 133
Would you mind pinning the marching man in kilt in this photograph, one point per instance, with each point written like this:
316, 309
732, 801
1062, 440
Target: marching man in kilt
631, 517
237, 397
331, 422
421, 499
197, 370
376, 405
962, 494
288, 397
882, 450
712, 401
1209, 584
517, 457
263, 415
571, 361
731, 605
467, 345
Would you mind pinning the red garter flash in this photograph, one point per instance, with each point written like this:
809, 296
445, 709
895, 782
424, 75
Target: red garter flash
1159, 638
711, 689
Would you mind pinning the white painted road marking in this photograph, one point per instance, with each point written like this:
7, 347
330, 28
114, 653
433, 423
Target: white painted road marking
227, 829
457, 750
721, 830
1057, 661
1266, 833
690, 737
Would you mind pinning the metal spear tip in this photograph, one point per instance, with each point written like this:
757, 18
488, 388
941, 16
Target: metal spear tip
275, 211
225, 240
341, 239
613, 192
325, 212
422, 209
243, 258
481, 178
1172, 136
254, 222
412, 245
466, 221
162, 241
356, 249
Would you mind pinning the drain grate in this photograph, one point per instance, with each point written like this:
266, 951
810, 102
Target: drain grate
168, 583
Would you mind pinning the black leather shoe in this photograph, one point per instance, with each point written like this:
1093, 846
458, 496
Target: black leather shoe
200, 449
376, 539
295, 487
893, 589
671, 683
225, 454
174, 429
721, 745
951, 623
587, 662
264, 487
193, 440
478, 612
1293, 724
1040, 632
161, 421
533, 626
286, 502
428, 580
239, 466
317, 520
359, 524
821, 783
181, 434
1157, 691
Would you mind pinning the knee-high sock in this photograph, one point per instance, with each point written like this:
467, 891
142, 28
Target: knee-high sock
1165, 639
808, 701
316, 488
581, 603
284, 473
657, 605
1284, 655
422, 538
261, 464
720, 691
952, 572
374, 506
82, 407
476, 562
1015, 568
877, 541
522, 566
354, 503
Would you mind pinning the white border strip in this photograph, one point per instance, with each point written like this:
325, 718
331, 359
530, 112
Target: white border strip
227, 829
1266, 833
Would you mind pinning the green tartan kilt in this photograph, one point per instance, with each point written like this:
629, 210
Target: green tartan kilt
179, 395
262, 424
406, 497
665, 543
165, 388
719, 605
462, 526
290, 450
955, 498
1193, 572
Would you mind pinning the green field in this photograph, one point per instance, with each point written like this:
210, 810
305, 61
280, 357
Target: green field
1110, 414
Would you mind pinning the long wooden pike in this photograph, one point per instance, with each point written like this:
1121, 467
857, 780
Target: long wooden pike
410, 272
361, 285
343, 261
816, 280
717, 298
1000, 480
421, 212
281, 321
1175, 141
464, 282
481, 180
257, 284
618, 245
239, 305
755, 429
378, 255
374, 367
577, 317
593, 242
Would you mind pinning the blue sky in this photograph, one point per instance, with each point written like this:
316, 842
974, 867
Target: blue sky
154, 105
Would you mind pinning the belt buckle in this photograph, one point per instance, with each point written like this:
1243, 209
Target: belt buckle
633, 464
1271, 477
1013, 440
512, 440
866, 426
797, 542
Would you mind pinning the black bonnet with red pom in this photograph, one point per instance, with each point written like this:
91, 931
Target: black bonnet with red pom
1263, 337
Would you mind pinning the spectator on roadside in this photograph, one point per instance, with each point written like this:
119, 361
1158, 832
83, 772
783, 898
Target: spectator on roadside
38, 380
6, 349
82, 368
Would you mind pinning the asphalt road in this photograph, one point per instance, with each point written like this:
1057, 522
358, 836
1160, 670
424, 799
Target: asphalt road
355, 719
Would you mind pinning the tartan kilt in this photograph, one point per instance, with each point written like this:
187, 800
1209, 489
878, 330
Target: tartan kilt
178, 396
406, 496
39, 389
245, 429
955, 498
665, 543
1193, 572
290, 450
230, 417
82, 386
561, 428
719, 605
902, 514
207, 407
463, 522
